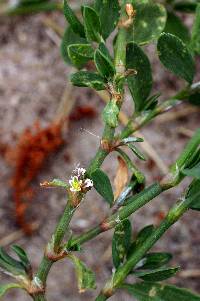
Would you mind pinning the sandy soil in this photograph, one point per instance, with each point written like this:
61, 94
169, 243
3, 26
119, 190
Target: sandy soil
32, 81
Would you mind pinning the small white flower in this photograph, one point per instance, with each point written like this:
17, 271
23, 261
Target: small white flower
79, 172
88, 183
75, 184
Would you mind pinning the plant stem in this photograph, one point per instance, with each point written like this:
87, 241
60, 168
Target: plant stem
39, 297
134, 203
101, 154
122, 272
108, 135
140, 121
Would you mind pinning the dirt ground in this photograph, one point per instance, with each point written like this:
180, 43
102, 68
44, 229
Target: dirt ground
32, 81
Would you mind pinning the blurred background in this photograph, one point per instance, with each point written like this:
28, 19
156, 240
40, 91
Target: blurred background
35, 95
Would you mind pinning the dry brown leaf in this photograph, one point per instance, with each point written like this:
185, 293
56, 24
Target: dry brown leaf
121, 177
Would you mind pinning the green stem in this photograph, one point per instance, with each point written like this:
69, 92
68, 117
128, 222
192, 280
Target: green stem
57, 238
149, 193
172, 217
101, 298
184, 160
63, 226
100, 156
140, 121
134, 203
39, 297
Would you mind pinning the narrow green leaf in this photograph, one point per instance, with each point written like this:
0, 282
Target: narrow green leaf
136, 172
102, 185
154, 261
132, 139
146, 291
127, 191
69, 38
195, 40
121, 242
108, 11
159, 274
152, 102
193, 192
76, 25
6, 287
149, 23
175, 56
141, 238
6, 267
22, 256
140, 85
11, 261
92, 24
136, 151
88, 79
104, 50
103, 64
80, 54
175, 26
110, 114
85, 277
193, 172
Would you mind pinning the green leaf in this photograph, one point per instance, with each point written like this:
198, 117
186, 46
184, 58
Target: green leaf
80, 54
136, 172
194, 192
102, 185
140, 85
175, 56
193, 172
92, 24
136, 151
22, 256
143, 234
69, 38
152, 102
149, 23
108, 11
195, 40
175, 26
141, 238
159, 274
104, 50
132, 140
85, 277
110, 114
121, 242
4, 288
154, 261
147, 291
88, 79
103, 63
76, 25
10, 261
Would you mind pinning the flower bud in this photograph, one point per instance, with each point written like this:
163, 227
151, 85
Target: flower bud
130, 10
